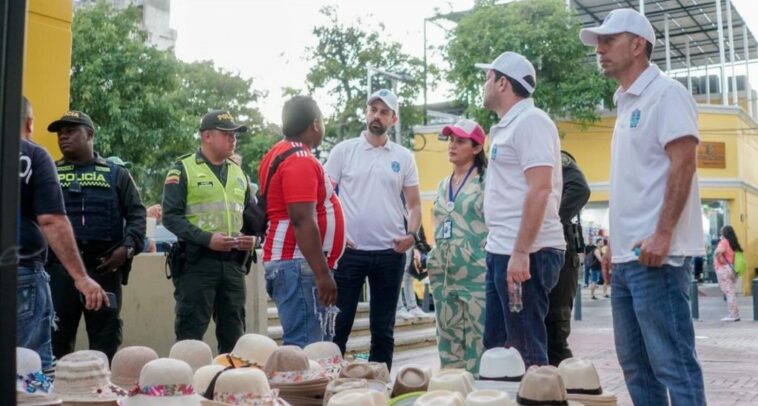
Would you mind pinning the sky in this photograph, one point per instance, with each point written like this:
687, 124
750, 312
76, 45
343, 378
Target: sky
266, 40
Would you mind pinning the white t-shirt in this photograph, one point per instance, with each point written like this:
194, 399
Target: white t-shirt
654, 111
524, 138
370, 180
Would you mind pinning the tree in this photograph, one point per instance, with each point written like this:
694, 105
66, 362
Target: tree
145, 103
547, 34
339, 65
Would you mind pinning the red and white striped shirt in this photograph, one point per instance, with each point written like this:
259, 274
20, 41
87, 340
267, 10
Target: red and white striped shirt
300, 178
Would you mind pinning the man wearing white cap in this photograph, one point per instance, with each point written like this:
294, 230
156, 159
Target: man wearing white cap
371, 173
525, 244
655, 215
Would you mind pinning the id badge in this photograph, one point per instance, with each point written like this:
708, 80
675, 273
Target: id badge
447, 229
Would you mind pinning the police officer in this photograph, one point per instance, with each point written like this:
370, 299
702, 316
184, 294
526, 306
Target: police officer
576, 193
108, 218
204, 196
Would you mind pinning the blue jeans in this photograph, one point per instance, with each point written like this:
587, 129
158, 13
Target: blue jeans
292, 286
34, 312
655, 339
524, 330
384, 270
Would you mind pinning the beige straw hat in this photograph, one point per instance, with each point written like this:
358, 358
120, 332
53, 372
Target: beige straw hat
194, 352
127, 364
83, 377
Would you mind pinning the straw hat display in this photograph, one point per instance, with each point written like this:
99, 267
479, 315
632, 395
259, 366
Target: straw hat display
289, 370
358, 397
411, 378
32, 386
83, 377
454, 380
543, 385
250, 350
489, 397
164, 382
440, 398
127, 364
194, 352
583, 383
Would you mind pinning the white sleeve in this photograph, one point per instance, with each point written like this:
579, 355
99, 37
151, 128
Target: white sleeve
410, 177
677, 115
333, 164
534, 142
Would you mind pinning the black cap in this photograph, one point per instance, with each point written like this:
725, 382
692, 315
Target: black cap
71, 117
220, 120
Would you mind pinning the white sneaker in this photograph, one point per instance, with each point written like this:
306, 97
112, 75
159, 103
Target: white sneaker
404, 314
729, 318
417, 312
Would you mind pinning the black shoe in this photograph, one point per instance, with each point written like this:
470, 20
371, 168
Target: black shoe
594, 298
607, 296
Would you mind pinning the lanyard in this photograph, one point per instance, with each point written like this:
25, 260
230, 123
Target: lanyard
450, 195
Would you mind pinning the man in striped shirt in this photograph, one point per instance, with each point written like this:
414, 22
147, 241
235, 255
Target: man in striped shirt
306, 229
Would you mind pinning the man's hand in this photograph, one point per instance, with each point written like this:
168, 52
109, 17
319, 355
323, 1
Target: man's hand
403, 243
94, 295
518, 269
155, 211
351, 245
327, 289
605, 264
654, 249
245, 242
112, 262
222, 242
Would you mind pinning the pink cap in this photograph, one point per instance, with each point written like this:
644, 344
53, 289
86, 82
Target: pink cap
465, 128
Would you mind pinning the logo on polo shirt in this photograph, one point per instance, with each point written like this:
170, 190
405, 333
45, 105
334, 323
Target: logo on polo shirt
395, 166
635, 120
494, 152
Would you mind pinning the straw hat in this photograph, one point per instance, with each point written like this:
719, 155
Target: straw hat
440, 398
32, 386
253, 349
542, 384
583, 383
502, 364
289, 370
366, 370
194, 352
454, 380
204, 375
328, 355
411, 378
489, 397
127, 364
243, 387
164, 382
98, 354
362, 397
83, 377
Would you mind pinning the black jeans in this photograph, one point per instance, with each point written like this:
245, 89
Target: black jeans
558, 320
103, 326
384, 270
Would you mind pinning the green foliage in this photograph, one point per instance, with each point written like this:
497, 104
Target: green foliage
339, 65
145, 103
568, 84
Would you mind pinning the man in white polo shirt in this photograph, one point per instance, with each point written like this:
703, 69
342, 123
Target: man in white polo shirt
525, 245
655, 215
371, 173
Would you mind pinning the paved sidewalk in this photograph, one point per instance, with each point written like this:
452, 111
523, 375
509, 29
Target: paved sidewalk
728, 351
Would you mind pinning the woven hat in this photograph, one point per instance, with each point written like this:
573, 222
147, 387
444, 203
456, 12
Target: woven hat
194, 352
454, 380
440, 398
583, 383
253, 349
83, 377
127, 364
502, 364
32, 386
328, 355
361, 397
411, 378
543, 384
489, 397
344, 384
288, 364
244, 387
164, 382
204, 375
366, 370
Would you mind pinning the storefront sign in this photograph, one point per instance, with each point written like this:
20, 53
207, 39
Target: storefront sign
711, 155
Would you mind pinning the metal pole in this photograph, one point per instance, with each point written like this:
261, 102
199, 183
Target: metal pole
425, 74
748, 88
732, 60
668, 46
707, 86
722, 57
689, 75
642, 7
755, 299
578, 302
694, 301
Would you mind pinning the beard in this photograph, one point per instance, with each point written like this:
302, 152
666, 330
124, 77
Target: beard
377, 128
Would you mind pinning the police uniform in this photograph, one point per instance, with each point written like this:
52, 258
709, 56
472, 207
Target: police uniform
199, 199
106, 212
576, 193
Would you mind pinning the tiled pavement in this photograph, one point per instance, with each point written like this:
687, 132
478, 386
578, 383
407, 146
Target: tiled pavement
728, 351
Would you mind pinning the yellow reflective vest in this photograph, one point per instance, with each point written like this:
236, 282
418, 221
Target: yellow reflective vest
211, 206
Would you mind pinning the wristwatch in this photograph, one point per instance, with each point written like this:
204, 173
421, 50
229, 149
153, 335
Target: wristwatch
413, 234
129, 252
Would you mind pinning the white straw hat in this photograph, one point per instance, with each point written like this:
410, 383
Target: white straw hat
204, 375
194, 352
254, 349
454, 380
32, 386
83, 377
543, 384
502, 364
489, 397
440, 398
358, 397
583, 383
243, 387
164, 382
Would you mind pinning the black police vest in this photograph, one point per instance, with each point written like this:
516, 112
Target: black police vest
92, 201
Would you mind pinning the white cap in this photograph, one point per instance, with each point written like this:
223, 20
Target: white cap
618, 21
386, 96
513, 65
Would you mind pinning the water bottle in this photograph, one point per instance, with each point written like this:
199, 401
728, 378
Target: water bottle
514, 298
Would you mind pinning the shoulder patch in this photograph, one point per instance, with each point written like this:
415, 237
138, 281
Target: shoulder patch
175, 172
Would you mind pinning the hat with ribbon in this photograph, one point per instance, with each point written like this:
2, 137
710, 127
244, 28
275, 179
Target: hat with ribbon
583, 383
543, 385
32, 386
83, 377
164, 382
